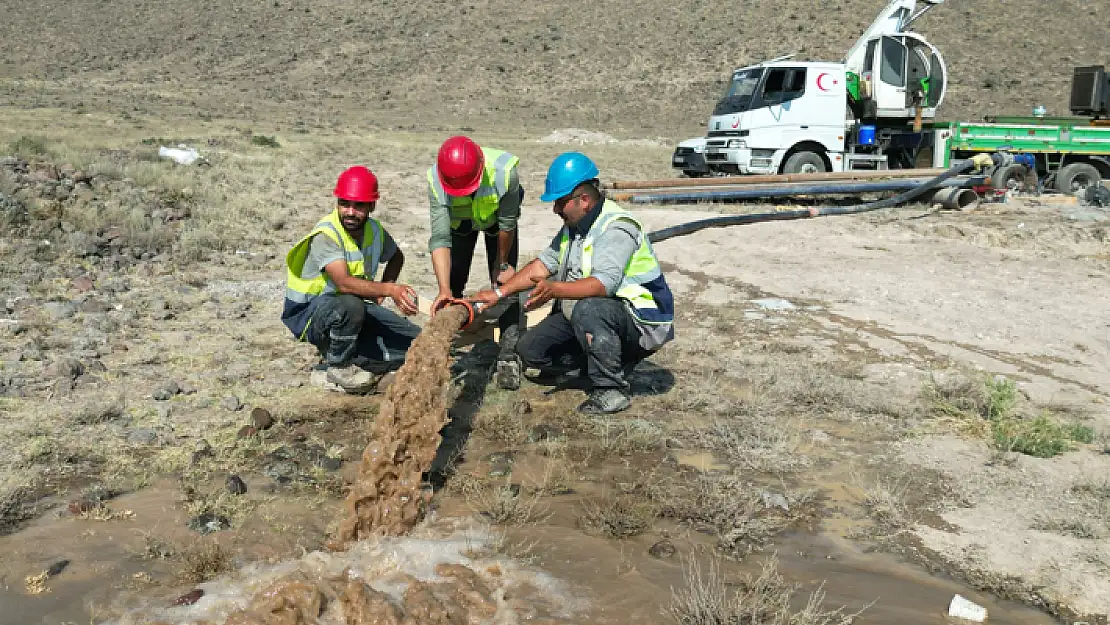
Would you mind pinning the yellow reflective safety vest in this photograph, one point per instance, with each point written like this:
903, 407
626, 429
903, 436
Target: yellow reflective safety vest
481, 207
300, 292
643, 284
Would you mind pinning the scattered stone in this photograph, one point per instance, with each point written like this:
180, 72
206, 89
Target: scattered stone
663, 549
231, 403
545, 432
163, 409
820, 437
64, 368
522, 407
203, 450
261, 419
95, 413
82, 283
328, 463
142, 436
774, 500
281, 470
166, 391
60, 310
188, 389
56, 568
190, 597
209, 522
236, 485
283, 453
246, 431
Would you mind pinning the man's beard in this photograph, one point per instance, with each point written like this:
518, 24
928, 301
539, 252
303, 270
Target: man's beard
352, 224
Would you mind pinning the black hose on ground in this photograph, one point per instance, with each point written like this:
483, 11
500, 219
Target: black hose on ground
740, 220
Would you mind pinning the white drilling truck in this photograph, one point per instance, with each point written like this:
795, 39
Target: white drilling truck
863, 112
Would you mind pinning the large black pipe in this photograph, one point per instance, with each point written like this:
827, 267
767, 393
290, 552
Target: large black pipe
739, 220
792, 190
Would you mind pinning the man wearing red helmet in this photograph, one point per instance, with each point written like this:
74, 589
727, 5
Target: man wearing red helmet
471, 189
331, 298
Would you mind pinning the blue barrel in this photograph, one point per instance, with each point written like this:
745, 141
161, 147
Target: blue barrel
866, 135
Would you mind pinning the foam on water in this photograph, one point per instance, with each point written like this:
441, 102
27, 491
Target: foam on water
389, 565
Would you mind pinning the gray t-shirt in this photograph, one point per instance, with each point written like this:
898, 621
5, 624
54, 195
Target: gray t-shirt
508, 213
613, 249
323, 251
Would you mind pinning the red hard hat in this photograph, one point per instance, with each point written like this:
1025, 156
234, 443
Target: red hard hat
357, 184
460, 164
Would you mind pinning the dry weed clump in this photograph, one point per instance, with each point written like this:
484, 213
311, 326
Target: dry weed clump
759, 441
766, 599
203, 561
506, 504
885, 500
742, 515
619, 516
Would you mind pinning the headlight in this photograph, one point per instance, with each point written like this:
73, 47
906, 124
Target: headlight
698, 149
737, 143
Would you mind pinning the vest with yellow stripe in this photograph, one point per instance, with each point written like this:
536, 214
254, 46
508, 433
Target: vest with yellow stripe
482, 207
301, 292
643, 284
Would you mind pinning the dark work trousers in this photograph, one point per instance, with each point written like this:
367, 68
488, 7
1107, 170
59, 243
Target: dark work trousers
346, 326
600, 336
463, 242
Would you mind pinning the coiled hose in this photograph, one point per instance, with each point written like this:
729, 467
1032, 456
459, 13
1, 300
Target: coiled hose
979, 161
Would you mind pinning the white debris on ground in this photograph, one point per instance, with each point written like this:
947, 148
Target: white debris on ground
579, 136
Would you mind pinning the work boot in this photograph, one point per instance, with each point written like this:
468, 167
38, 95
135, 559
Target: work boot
508, 372
605, 401
353, 379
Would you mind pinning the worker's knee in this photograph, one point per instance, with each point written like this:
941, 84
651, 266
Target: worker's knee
347, 312
594, 313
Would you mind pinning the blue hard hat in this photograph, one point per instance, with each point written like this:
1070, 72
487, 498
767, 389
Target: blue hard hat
567, 171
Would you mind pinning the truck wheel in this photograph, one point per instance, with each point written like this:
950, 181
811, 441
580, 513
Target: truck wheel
1075, 178
804, 163
1010, 178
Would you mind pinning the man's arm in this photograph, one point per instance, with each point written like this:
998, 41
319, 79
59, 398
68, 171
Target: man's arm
366, 289
439, 245
508, 214
393, 266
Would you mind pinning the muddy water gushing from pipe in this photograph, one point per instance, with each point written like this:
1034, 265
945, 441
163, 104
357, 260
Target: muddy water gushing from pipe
388, 497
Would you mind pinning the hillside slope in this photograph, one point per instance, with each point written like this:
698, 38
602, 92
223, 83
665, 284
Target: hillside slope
622, 66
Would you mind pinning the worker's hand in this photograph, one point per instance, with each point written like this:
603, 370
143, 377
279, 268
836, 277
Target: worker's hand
404, 297
504, 275
443, 295
486, 297
541, 294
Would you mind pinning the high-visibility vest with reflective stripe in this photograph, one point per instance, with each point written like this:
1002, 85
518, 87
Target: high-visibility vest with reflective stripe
482, 207
362, 262
643, 284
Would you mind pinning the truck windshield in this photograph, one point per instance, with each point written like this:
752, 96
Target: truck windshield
740, 92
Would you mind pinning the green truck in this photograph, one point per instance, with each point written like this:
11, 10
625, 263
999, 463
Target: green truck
1066, 154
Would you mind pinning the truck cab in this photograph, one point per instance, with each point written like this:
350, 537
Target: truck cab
779, 115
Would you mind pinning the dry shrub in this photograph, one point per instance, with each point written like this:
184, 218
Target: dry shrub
618, 516
506, 504
764, 599
203, 561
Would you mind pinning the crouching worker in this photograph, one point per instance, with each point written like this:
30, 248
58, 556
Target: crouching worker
612, 306
331, 298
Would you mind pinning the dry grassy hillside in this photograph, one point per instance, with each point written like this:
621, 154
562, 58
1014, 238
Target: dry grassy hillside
622, 66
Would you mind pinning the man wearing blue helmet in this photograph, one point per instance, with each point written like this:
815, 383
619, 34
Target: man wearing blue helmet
612, 306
